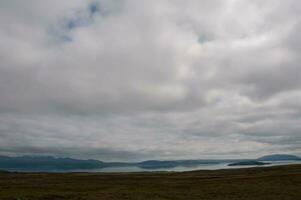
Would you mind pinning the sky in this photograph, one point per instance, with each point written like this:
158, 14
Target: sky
131, 80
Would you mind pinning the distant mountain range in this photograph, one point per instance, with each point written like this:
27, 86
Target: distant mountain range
49, 163
278, 157
263, 160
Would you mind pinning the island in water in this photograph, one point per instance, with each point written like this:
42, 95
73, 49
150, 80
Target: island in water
249, 162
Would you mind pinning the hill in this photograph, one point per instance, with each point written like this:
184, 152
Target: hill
278, 157
37, 163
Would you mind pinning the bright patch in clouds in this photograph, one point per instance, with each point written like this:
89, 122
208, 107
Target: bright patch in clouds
135, 80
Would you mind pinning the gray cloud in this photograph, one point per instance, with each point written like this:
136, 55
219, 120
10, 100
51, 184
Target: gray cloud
133, 80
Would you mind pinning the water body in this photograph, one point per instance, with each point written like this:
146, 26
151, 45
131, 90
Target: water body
174, 169
182, 169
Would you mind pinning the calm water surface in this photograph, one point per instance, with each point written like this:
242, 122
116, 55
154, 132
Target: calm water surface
175, 169
180, 169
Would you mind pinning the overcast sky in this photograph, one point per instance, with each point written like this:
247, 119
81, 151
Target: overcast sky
127, 80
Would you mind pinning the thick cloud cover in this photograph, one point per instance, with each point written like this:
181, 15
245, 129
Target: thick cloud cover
134, 80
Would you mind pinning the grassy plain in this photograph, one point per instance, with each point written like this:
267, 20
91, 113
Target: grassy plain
262, 183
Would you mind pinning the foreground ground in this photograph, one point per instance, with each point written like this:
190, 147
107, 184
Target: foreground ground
271, 183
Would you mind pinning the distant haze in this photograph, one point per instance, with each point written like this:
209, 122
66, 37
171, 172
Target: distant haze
132, 80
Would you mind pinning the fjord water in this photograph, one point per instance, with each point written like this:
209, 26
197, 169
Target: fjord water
182, 169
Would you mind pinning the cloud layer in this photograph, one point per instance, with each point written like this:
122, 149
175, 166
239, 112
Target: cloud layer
132, 80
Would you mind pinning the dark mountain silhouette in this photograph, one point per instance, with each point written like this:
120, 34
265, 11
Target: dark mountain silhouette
47, 163
278, 157
250, 162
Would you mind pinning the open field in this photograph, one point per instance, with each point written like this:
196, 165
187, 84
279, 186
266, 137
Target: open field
269, 183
